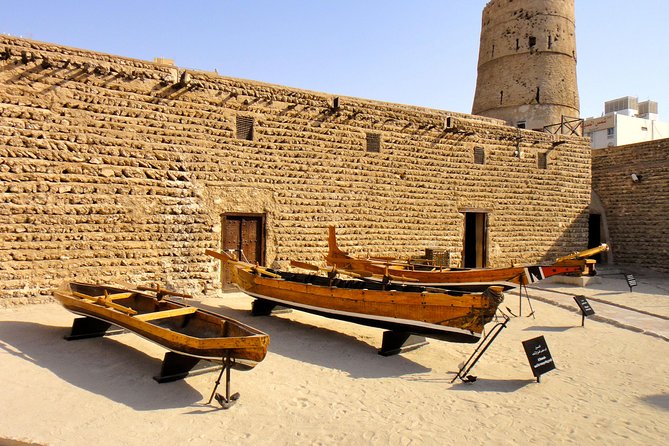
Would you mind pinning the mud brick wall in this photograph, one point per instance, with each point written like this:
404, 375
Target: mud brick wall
637, 212
117, 170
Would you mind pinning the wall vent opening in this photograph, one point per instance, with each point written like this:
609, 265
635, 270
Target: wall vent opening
373, 142
479, 155
245, 127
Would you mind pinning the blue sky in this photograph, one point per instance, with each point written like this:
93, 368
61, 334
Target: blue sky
420, 52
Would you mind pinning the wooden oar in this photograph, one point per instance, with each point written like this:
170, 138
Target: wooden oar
104, 300
227, 258
353, 273
163, 292
305, 265
401, 278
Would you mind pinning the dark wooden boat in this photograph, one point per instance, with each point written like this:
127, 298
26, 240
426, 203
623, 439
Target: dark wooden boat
404, 310
472, 279
190, 334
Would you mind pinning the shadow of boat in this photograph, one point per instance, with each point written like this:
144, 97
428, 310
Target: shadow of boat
324, 347
104, 366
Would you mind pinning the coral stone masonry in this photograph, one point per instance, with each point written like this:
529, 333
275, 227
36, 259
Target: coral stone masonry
115, 169
527, 63
632, 183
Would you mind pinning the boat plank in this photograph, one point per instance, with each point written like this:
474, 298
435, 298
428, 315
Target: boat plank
165, 314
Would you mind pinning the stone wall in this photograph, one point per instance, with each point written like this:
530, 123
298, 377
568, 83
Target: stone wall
636, 211
115, 169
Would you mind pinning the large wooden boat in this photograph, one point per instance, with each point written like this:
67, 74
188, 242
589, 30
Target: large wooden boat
402, 309
472, 279
190, 334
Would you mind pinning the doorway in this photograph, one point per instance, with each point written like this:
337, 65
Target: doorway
475, 242
595, 234
244, 236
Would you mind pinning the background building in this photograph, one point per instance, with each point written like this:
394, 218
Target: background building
116, 169
625, 121
527, 65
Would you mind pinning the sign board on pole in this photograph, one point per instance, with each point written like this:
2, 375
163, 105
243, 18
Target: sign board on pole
539, 356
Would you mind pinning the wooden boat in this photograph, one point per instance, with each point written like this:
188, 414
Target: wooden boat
403, 310
190, 334
474, 279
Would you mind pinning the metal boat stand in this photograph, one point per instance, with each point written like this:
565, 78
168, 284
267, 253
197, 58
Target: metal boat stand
175, 367
463, 373
88, 327
520, 301
228, 400
396, 342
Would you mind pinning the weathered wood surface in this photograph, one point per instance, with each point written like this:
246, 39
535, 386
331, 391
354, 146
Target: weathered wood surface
178, 327
437, 314
474, 279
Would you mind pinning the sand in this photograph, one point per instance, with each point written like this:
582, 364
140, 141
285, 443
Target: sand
323, 382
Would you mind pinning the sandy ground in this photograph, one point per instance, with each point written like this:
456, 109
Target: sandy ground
323, 382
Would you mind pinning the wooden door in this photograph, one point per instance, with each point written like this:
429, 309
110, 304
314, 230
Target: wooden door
243, 235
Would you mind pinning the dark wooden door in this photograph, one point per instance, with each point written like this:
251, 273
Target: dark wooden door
244, 236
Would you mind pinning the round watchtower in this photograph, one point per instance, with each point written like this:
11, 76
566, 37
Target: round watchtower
527, 63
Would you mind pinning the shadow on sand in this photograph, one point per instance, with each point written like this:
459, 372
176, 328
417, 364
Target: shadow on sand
661, 401
323, 346
551, 329
493, 385
104, 366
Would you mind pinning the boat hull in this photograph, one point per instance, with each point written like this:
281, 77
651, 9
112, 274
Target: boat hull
454, 317
475, 279
201, 334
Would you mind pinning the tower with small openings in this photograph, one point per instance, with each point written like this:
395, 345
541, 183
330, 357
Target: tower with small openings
527, 63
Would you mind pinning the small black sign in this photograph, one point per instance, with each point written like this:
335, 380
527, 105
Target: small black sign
584, 305
539, 356
631, 281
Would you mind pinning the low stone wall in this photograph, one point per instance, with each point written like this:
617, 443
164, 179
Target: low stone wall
115, 169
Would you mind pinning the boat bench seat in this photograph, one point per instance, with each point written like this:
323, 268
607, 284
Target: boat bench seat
165, 314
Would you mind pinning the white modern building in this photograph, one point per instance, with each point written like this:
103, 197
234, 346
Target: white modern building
625, 121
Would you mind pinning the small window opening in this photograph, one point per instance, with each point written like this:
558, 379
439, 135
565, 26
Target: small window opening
245, 127
517, 44
501, 97
479, 155
521, 125
493, 51
542, 161
538, 95
533, 41
550, 42
373, 142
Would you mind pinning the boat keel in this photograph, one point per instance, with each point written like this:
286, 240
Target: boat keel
396, 342
87, 327
175, 367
